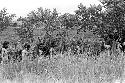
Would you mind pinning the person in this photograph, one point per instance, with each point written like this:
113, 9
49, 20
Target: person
4, 52
78, 49
39, 49
106, 47
25, 53
122, 44
52, 52
40, 52
69, 50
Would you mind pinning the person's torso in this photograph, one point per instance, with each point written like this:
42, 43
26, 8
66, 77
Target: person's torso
4, 54
4, 51
24, 54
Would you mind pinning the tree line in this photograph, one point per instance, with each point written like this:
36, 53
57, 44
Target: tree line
86, 28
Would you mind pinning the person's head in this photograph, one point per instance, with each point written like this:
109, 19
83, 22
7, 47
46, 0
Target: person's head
26, 46
5, 44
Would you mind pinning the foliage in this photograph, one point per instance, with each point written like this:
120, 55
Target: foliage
5, 19
86, 28
25, 32
114, 19
86, 24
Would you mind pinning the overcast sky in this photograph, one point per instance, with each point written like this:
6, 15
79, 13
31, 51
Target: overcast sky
23, 7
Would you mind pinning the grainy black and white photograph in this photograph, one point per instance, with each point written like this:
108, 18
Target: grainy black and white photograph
62, 41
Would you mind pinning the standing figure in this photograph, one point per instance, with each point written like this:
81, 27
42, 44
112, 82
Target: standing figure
119, 46
40, 52
52, 52
69, 50
18, 55
25, 53
122, 44
4, 53
106, 47
78, 49
39, 49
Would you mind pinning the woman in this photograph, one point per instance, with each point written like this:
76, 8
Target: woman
4, 53
25, 53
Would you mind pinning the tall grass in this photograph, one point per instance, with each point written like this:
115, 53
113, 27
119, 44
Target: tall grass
71, 69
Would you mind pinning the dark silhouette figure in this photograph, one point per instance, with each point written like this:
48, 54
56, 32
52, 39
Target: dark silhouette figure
122, 44
45, 49
4, 53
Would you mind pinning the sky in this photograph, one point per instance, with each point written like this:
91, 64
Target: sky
23, 7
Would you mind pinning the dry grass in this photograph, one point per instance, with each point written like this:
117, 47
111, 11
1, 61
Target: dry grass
70, 69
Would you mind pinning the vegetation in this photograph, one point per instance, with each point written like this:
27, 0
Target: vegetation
86, 28
5, 19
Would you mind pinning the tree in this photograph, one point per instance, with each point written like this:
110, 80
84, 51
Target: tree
25, 32
114, 18
5, 19
91, 27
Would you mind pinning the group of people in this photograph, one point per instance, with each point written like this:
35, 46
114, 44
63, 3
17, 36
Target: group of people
26, 52
39, 50
9, 55
119, 44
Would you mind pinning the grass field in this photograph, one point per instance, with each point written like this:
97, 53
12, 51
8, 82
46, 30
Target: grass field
67, 69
